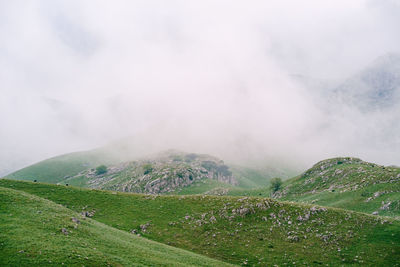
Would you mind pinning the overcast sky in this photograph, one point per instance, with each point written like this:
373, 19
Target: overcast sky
207, 76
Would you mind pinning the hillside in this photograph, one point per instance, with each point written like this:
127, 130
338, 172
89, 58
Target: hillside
253, 231
38, 232
59, 168
163, 173
347, 183
170, 171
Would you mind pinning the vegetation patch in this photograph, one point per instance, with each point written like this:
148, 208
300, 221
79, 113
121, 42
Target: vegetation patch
239, 230
38, 232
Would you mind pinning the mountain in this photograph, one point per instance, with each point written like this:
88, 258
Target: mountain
39, 232
170, 171
374, 88
237, 230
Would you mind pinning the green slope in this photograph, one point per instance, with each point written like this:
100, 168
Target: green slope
57, 169
253, 231
171, 172
252, 178
347, 183
31, 234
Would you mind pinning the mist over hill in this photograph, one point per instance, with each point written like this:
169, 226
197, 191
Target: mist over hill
191, 133
219, 78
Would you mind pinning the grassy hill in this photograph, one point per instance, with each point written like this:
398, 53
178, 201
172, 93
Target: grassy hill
38, 232
166, 172
253, 231
348, 183
59, 168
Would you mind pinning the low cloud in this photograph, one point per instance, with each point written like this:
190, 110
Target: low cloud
214, 77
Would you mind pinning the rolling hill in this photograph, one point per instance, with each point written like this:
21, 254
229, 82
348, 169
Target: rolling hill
237, 230
38, 232
59, 168
170, 171
345, 182
348, 183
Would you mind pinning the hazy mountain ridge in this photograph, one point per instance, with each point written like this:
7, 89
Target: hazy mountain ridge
374, 88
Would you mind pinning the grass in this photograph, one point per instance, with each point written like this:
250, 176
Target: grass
251, 178
346, 183
72, 168
201, 187
30, 234
248, 231
357, 200
57, 169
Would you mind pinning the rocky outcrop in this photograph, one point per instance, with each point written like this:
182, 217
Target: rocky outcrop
163, 173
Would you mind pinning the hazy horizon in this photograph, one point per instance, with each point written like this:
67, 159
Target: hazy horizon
244, 81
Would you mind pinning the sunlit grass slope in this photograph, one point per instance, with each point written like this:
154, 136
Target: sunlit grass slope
253, 231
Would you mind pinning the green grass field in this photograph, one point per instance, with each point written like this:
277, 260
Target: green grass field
31, 234
237, 230
57, 169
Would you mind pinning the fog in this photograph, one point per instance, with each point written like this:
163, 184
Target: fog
204, 76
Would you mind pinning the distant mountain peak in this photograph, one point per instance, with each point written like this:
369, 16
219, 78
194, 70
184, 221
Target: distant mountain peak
375, 87
388, 58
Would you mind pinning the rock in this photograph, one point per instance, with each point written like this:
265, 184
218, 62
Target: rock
144, 227
261, 206
64, 231
293, 238
213, 219
375, 213
304, 218
242, 199
75, 220
338, 172
242, 211
88, 213
134, 231
315, 210
386, 206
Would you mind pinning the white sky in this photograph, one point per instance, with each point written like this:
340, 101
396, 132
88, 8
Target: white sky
209, 76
